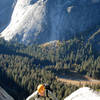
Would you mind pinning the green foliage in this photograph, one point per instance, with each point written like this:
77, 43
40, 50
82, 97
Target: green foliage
22, 67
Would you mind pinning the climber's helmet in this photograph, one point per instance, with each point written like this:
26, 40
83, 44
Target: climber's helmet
41, 90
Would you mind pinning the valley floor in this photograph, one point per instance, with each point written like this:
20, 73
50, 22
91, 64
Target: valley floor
79, 82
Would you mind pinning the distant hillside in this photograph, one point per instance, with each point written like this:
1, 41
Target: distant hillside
40, 21
4, 95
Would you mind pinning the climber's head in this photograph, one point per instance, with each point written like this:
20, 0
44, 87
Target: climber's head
41, 90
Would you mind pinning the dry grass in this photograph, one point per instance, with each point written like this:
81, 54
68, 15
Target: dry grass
80, 82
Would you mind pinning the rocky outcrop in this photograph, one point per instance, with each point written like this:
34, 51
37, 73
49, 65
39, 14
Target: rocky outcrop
84, 93
4, 95
46, 20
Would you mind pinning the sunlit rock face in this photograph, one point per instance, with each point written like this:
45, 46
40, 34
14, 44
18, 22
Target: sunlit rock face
39, 21
84, 93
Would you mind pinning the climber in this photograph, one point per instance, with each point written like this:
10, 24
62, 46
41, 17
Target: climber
43, 93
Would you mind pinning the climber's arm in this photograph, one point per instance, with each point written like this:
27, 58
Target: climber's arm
33, 96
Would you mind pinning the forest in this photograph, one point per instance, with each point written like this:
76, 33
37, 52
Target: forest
23, 68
